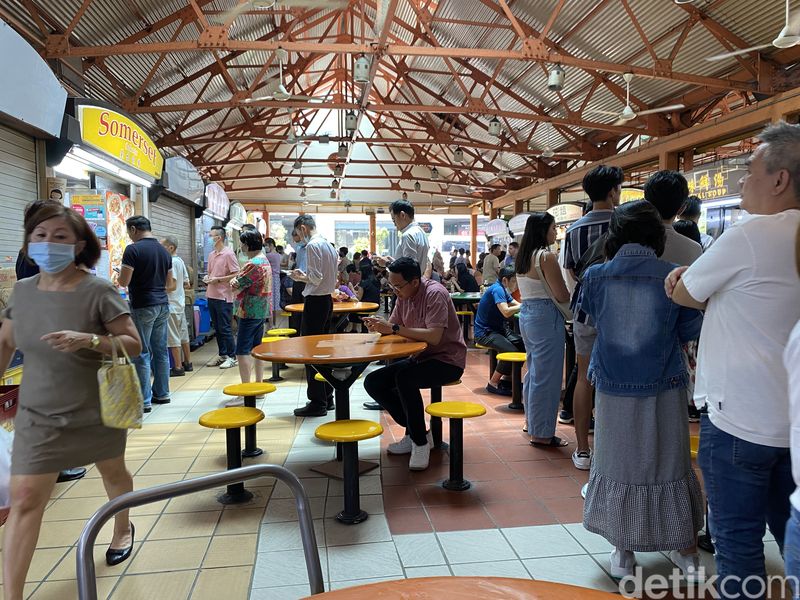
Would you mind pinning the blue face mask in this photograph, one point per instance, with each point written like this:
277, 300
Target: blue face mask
301, 244
51, 257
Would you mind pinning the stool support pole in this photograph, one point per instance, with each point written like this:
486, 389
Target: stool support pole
250, 447
276, 373
235, 492
352, 512
436, 422
456, 482
516, 387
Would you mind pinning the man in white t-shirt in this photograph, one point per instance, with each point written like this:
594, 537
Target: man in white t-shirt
177, 328
748, 286
791, 360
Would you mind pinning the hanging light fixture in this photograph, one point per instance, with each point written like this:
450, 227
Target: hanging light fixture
404, 196
297, 164
342, 151
494, 127
417, 186
338, 170
361, 69
333, 194
335, 184
434, 173
350, 121
555, 81
458, 155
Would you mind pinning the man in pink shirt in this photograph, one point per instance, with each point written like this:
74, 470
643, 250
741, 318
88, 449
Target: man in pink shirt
222, 267
423, 312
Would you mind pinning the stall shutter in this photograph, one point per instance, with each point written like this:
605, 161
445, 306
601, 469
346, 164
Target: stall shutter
169, 217
18, 187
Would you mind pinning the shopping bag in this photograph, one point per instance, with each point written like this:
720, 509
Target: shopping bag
121, 401
6, 442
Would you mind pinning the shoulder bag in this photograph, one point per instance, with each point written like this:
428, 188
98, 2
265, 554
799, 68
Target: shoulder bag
563, 307
121, 401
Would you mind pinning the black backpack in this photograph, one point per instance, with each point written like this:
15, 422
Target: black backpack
594, 255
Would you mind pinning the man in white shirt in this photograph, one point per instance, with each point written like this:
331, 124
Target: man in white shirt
320, 281
177, 327
668, 191
791, 360
748, 286
491, 265
413, 241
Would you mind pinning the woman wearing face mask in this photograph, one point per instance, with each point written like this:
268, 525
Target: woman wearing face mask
542, 328
62, 319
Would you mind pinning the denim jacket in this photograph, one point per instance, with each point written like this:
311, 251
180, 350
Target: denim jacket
639, 329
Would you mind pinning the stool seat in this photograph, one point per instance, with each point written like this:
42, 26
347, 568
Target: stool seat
464, 313
481, 346
231, 418
286, 314
694, 445
455, 410
512, 356
348, 430
248, 389
273, 338
284, 331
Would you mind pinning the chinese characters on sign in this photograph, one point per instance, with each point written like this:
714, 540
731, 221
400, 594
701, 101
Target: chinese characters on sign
713, 183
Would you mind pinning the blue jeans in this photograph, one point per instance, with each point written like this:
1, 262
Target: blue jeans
151, 323
791, 552
542, 329
748, 487
221, 314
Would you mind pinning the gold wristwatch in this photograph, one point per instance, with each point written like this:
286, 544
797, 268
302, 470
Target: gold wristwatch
95, 341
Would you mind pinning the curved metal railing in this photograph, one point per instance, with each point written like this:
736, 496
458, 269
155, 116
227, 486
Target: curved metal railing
87, 584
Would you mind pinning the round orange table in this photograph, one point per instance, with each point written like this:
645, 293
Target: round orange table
340, 358
478, 588
340, 310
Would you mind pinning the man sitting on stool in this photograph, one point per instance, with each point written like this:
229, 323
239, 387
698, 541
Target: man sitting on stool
491, 328
425, 313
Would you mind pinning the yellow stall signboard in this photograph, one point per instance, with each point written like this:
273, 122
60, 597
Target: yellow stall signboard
118, 136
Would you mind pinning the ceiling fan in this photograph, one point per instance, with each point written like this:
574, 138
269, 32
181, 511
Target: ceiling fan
279, 92
787, 37
628, 114
267, 4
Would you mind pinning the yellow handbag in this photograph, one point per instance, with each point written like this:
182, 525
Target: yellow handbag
121, 401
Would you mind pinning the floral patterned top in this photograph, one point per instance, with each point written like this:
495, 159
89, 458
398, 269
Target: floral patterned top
255, 289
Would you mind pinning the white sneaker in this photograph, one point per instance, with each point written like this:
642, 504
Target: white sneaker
420, 457
404, 445
689, 564
228, 363
215, 362
622, 563
582, 459
238, 401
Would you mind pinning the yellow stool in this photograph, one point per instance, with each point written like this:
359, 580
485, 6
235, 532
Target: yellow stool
492, 358
348, 433
517, 359
456, 412
436, 422
286, 331
249, 391
232, 420
694, 445
465, 316
321, 379
276, 367
285, 314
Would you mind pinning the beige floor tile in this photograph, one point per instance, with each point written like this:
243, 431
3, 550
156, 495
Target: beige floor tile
185, 525
153, 428
231, 550
144, 481
166, 465
190, 437
169, 555
66, 569
149, 440
138, 452
86, 488
202, 501
231, 583
67, 509
149, 509
176, 451
61, 488
44, 560
62, 590
260, 498
155, 586
60, 534
209, 464
240, 521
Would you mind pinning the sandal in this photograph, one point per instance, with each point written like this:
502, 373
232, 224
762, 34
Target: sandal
555, 442
525, 428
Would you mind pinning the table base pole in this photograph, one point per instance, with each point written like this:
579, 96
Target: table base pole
335, 469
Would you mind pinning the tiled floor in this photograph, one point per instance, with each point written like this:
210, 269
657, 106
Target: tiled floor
521, 518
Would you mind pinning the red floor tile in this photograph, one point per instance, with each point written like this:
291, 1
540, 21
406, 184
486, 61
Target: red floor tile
518, 452
480, 454
408, 520
520, 513
395, 475
435, 495
400, 496
536, 468
505, 491
487, 472
566, 510
457, 518
554, 487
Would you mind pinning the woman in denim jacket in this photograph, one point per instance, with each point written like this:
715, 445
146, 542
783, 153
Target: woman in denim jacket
643, 494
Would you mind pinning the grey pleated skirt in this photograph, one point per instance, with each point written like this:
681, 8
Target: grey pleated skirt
643, 494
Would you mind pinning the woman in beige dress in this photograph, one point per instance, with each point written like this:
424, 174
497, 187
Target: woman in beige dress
62, 320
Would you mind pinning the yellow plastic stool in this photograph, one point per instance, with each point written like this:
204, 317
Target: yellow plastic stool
465, 316
436, 422
276, 367
694, 445
249, 391
288, 331
517, 359
456, 412
321, 379
348, 432
232, 420
492, 358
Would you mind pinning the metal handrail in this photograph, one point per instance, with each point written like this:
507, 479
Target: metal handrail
87, 584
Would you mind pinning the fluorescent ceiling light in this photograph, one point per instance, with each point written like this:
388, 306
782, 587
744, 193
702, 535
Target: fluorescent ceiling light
72, 168
135, 179
93, 160
87, 158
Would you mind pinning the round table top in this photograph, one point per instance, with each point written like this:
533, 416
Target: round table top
338, 349
340, 307
479, 588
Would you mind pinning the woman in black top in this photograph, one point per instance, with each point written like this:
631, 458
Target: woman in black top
367, 290
466, 280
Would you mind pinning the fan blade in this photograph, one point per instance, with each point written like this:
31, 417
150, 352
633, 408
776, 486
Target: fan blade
602, 112
725, 55
231, 14
619, 122
258, 99
309, 99
652, 111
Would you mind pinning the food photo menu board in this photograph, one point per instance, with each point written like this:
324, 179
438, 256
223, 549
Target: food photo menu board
106, 213
120, 208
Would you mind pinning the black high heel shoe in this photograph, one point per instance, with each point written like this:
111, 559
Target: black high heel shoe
115, 556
